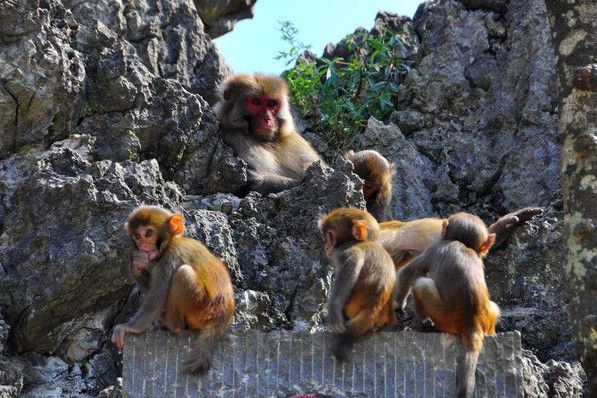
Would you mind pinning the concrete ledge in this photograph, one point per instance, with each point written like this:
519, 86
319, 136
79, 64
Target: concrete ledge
283, 363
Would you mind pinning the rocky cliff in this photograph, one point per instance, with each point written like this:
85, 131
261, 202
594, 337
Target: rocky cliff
108, 104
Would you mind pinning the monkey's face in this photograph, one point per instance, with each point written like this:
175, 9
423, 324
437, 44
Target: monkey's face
145, 238
263, 112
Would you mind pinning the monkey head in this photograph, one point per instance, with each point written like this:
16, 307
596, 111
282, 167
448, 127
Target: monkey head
375, 170
256, 105
151, 229
469, 230
346, 226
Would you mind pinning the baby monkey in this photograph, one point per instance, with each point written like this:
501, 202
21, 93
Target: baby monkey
361, 294
448, 284
185, 285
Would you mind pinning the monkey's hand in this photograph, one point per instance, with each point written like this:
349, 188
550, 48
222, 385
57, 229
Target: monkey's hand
119, 332
266, 183
140, 260
505, 225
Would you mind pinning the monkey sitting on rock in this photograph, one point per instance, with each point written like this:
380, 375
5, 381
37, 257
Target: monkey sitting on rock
256, 122
184, 284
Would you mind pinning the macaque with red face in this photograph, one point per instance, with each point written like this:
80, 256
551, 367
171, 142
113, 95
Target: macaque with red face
256, 122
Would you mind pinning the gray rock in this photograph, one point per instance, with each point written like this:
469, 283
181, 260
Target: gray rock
220, 16
11, 378
553, 379
67, 214
527, 280
411, 197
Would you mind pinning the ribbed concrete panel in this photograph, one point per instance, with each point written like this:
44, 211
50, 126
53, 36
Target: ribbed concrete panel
283, 364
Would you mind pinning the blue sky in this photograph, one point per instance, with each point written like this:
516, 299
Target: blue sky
253, 44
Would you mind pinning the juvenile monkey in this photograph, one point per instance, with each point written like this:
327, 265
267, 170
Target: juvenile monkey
377, 173
361, 294
188, 286
448, 285
256, 122
406, 239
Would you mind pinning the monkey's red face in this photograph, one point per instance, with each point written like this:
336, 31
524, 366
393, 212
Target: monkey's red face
263, 112
330, 243
145, 237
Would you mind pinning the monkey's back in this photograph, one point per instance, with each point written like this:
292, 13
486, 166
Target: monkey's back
459, 276
374, 287
211, 272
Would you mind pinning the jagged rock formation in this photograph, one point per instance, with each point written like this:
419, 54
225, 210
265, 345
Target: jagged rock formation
107, 104
220, 16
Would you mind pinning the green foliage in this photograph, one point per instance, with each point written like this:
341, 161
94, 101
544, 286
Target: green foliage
339, 95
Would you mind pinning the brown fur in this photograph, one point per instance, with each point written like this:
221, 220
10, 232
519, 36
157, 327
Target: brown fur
364, 278
448, 284
279, 160
377, 174
405, 240
200, 296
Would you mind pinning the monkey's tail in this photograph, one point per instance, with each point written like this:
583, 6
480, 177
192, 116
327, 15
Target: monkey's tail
467, 365
199, 360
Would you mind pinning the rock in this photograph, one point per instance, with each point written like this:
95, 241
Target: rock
411, 197
11, 378
281, 256
527, 280
220, 16
79, 239
482, 71
554, 379
4, 330
42, 75
114, 391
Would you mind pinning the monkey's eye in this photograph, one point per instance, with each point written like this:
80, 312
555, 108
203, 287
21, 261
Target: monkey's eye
272, 103
256, 101
136, 236
149, 233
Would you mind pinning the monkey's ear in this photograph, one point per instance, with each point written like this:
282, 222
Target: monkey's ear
359, 230
126, 227
176, 223
486, 245
444, 228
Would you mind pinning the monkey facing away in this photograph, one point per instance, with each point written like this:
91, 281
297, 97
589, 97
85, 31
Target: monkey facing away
448, 286
187, 286
406, 239
256, 122
361, 296
377, 174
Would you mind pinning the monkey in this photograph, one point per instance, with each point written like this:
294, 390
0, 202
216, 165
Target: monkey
448, 285
361, 294
188, 286
256, 122
377, 174
406, 239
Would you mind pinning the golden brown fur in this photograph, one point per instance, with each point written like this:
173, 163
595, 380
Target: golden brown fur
362, 290
188, 287
448, 284
377, 174
279, 157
